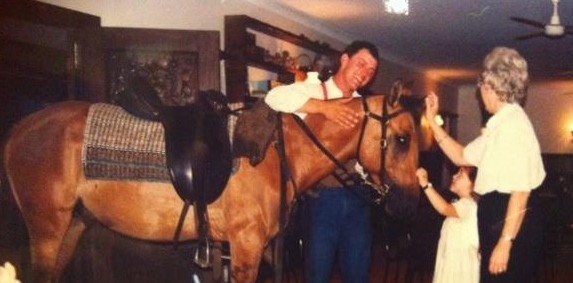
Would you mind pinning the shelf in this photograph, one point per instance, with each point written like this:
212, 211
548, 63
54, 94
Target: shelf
269, 66
239, 46
299, 40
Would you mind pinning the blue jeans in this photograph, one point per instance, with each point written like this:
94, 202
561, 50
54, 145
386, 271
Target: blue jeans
339, 229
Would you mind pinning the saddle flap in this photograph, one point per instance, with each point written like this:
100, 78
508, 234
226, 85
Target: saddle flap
198, 151
254, 132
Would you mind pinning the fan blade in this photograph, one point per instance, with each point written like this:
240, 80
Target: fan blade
528, 22
532, 35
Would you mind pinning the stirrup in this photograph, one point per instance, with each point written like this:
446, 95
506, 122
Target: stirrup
203, 255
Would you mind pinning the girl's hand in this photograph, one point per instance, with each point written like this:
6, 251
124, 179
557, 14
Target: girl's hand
422, 176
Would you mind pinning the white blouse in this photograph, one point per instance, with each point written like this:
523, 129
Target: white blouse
507, 153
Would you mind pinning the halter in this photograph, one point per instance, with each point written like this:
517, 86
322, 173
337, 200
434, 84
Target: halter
384, 187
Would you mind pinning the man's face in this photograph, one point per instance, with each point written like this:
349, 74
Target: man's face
359, 69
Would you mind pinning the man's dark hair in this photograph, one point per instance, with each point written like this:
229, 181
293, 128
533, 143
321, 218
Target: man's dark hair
358, 45
350, 50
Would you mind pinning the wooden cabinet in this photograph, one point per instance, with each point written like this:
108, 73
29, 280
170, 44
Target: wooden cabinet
242, 52
179, 63
43, 43
47, 54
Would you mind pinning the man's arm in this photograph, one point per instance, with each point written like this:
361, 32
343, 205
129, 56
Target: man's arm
336, 111
288, 98
292, 98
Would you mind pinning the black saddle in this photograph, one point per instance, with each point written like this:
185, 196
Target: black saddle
198, 151
197, 146
198, 154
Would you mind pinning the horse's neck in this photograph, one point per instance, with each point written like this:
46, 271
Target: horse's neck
307, 162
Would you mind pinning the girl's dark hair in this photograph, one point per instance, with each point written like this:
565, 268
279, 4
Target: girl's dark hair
472, 174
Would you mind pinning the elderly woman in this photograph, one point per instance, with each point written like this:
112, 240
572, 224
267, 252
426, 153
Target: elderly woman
510, 168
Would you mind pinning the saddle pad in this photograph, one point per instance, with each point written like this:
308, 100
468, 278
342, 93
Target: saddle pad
120, 146
254, 132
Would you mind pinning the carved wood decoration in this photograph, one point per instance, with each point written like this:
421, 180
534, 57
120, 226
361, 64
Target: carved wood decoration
179, 62
174, 74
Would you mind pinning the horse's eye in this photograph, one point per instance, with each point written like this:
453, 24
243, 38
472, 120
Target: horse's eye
403, 140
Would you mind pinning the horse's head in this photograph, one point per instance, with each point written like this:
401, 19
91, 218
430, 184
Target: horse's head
390, 141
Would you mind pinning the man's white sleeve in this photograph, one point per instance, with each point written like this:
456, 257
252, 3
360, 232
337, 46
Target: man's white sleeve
287, 98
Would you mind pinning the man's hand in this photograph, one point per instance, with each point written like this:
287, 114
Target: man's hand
340, 113
335, 110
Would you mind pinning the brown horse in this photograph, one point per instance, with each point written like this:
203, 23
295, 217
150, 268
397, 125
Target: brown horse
42, 160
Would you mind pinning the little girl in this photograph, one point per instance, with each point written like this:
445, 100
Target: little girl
457, 258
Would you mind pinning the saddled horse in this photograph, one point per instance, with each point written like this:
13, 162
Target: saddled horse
43, 163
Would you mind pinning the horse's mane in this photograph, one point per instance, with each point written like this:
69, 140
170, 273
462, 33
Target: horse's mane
255, 128
340, 141
343, 139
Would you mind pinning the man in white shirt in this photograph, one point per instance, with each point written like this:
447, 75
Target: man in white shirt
339, 217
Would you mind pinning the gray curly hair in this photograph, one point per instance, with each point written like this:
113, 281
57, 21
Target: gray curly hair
505, 71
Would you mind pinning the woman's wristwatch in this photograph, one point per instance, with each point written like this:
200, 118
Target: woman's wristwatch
427, 186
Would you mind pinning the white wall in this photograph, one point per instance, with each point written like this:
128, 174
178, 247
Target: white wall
550, 109
469, 117
549, 106
209, 15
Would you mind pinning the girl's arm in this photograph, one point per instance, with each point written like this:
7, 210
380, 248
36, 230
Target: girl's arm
438, 202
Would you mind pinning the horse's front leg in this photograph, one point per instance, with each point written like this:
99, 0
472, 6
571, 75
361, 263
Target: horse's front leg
247, 246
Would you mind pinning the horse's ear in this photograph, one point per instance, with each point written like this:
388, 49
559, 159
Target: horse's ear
395, 92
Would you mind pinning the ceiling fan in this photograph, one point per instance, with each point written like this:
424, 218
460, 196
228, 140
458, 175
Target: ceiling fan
554, 29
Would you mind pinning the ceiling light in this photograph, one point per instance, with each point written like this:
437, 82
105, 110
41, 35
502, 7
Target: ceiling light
400, 7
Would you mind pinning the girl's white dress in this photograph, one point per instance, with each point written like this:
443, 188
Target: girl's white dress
457, 258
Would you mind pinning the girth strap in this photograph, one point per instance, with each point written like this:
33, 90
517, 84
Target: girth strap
279, 240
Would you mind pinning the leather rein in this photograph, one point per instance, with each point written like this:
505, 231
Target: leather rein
383, 188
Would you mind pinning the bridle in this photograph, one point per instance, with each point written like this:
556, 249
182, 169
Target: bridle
344, 177
384, 187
